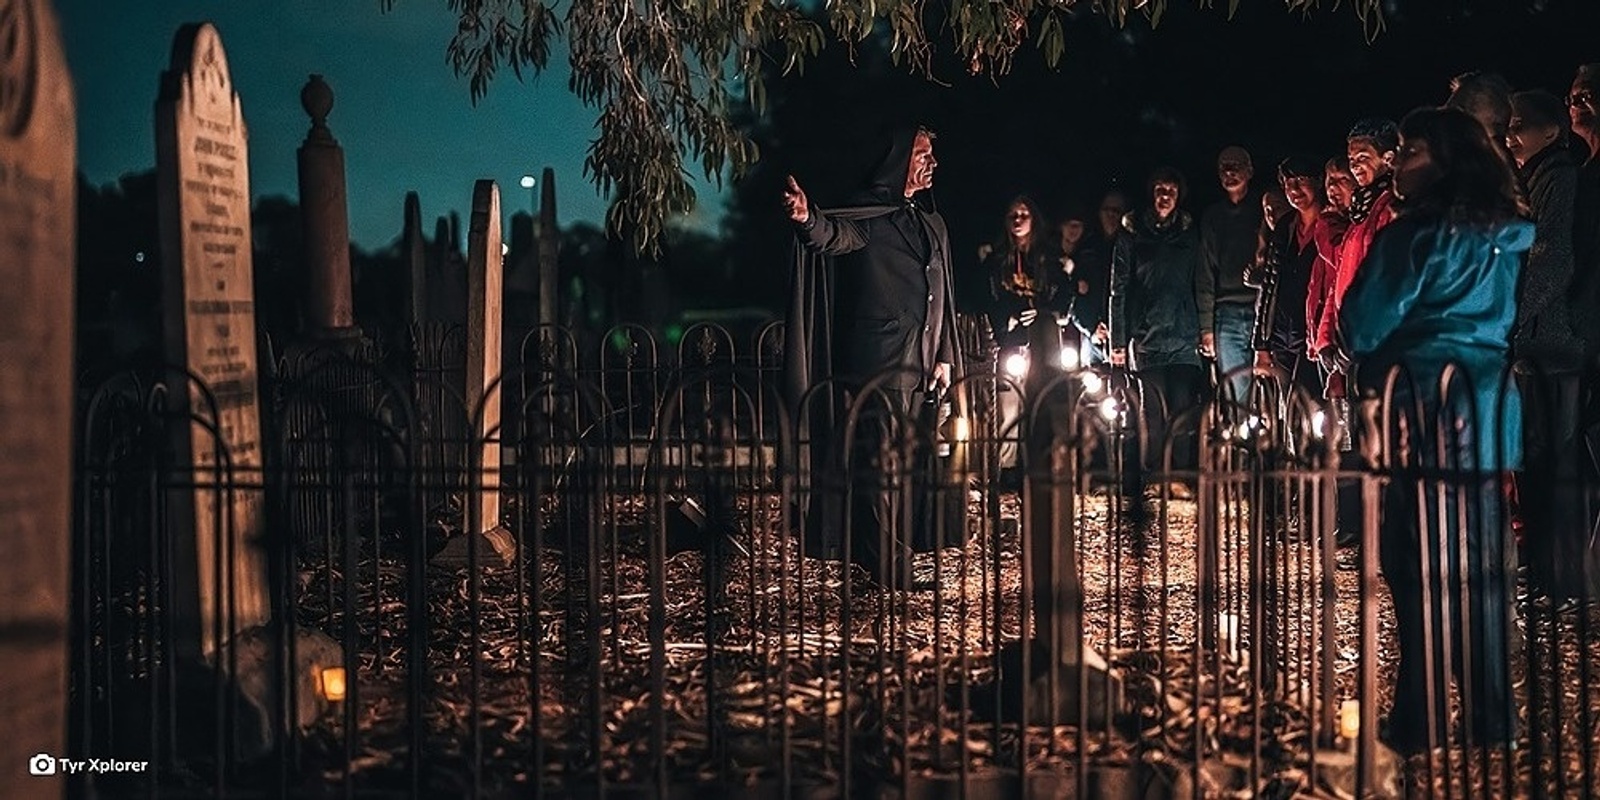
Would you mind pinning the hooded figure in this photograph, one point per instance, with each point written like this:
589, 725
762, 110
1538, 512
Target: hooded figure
871, 298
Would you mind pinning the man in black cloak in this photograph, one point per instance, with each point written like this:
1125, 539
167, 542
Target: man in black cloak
871, 310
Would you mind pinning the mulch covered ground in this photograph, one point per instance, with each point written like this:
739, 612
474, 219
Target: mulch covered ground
795, 670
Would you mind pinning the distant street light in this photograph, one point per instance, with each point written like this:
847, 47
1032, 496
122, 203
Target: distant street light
528, 182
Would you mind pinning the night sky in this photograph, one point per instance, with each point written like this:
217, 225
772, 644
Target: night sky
406, 121
1120, 101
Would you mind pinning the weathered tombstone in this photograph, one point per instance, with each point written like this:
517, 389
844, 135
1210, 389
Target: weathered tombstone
203, 200
549, 251
37, 212
1049, 690
326, 218
446, 282
416, 256
482, 392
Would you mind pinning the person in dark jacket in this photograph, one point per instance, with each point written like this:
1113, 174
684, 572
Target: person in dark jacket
1154, 322
1549, 351
1583, 106
1284, 276
1226, 305
871, 309
1434, 300
1083, 294
1022, 268
1091, 263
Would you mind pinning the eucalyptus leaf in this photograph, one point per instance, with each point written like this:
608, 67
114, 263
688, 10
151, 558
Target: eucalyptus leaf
657, 71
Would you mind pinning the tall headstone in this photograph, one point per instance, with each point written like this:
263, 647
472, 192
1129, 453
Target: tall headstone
446, 281
416, 255
203, 200
549, 250
485, 270
37, 213
485, 265
326, 218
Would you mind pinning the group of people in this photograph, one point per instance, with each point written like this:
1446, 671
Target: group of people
1459, 248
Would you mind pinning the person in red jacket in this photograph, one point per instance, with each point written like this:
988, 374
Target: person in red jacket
1372, 145
1339, 187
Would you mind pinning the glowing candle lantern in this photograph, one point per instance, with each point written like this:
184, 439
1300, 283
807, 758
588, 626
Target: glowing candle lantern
330, 682
1350, 720
963, 430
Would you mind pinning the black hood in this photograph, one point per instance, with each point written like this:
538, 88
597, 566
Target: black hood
886, 182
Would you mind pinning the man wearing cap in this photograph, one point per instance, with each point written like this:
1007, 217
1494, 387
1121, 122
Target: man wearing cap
1228, 237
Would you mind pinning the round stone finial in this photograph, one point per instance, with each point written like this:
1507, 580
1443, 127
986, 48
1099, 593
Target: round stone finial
317, 99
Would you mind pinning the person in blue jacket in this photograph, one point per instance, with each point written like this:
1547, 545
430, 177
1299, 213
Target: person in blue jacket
1426, 324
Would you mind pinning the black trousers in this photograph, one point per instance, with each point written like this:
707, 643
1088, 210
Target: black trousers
1166, 397
1443, 552
1562, 558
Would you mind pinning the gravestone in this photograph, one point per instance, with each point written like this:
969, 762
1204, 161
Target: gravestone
485, 264
416, 256
549, 236
326, 219
37, 213
203, 202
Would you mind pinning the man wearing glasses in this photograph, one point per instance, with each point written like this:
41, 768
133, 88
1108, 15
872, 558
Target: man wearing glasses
1581, 109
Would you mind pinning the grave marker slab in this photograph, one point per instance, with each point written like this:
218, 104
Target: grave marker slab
38, 209
416, 257
549, 236
203, 196
485, 293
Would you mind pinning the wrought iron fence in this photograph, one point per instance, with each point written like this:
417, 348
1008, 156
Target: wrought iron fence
702, 594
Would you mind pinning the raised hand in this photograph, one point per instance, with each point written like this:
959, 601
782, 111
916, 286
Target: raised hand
794, 201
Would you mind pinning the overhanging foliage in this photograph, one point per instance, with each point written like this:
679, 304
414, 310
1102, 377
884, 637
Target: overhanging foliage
662, 74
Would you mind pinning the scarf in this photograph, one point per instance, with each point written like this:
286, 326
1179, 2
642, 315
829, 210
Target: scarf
1365, 196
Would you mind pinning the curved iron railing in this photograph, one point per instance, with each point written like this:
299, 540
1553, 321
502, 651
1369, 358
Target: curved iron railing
668, 602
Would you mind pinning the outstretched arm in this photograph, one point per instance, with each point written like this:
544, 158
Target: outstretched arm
830, 235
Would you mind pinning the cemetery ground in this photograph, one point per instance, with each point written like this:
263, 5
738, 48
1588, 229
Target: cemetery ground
761, 685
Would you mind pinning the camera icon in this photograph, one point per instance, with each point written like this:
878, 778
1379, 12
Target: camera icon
42, 764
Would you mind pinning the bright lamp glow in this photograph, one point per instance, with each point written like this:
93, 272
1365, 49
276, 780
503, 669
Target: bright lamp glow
330, 683
963, 430
1016, 365
1110, 408
1350, 720
1319, 424
1249, 427
1092, 382
1069, 358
